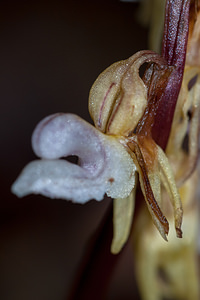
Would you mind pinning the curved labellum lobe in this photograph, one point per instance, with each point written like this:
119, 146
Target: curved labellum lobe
97, 173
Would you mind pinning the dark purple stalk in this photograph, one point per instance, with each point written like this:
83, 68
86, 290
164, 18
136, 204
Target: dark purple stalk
174, 51
164, 82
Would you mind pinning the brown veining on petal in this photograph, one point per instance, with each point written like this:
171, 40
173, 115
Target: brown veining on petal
149, 196
103, 104
114, 112
148, 149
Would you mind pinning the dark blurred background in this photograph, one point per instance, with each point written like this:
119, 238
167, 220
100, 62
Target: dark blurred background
50, 54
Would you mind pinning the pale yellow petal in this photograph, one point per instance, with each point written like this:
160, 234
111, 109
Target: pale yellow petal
144, 154
169, 183
123, 211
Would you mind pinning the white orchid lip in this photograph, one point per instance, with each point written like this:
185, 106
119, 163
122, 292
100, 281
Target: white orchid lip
104, 164
61, 135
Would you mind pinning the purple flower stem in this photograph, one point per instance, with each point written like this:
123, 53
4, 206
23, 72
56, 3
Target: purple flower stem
174, 51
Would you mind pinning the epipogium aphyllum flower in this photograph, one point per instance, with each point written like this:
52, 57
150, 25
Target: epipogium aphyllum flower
124, 109
109, 156
132, 118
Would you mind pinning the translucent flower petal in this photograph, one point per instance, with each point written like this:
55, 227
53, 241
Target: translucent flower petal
104, 164
169, 183
123, 211
145, 158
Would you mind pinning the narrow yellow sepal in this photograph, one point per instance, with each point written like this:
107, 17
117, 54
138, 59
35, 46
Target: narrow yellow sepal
123, 211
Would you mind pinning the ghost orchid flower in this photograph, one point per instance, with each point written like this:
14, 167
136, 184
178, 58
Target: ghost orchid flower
132, 118
109, 155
